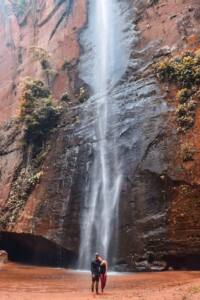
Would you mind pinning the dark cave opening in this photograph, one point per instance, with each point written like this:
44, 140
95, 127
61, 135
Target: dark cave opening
184, 262
35, 250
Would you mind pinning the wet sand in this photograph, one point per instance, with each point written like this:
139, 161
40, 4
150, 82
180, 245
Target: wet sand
18, 282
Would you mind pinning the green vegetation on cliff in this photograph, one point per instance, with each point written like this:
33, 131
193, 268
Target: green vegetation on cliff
38, 113
38, 118
184, 72
42, 56
187, 153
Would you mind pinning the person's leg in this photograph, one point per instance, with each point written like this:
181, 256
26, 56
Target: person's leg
93, 282
101, 279
104, 281
104, 278
97, 285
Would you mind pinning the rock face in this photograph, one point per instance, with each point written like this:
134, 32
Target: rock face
40, 41
159, 206
162, 192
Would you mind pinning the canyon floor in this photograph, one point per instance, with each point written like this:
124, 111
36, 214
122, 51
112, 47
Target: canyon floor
18, 282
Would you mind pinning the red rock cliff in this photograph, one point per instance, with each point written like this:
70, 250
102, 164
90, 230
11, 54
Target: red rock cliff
38, 40
166, 187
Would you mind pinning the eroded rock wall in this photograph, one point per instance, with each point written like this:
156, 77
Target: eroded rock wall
162, 224
40, 40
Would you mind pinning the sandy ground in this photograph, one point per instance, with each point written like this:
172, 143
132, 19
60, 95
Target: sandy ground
35, 283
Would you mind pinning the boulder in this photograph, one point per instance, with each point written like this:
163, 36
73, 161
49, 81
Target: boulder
158, 266
3, 257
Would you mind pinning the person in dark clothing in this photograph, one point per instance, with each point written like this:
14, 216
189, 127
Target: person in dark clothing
95, 270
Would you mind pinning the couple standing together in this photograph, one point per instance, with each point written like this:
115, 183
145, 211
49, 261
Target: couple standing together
99, 268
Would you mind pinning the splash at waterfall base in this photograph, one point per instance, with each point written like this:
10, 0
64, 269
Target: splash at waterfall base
28, 283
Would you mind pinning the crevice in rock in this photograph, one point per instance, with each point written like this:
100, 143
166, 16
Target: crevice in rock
153, 143
35, 250
51, 14
58, 24
66, 13
3, 153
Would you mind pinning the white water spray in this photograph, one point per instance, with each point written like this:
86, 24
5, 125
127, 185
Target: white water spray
108, 58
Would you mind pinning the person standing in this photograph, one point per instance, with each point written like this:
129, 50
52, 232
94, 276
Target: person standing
95, 270
103, 274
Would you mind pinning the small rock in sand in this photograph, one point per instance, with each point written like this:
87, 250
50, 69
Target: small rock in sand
3, 257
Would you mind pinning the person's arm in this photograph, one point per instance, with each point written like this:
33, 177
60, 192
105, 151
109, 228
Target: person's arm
92, 268
106, 266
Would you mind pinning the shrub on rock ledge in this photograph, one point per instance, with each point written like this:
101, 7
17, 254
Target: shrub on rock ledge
65, 97
184, 72
38, 117
38, 113
83, 95
187, 153
183, 95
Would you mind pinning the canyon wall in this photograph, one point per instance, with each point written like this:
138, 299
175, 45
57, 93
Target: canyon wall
162, 225
41, 43
159, 203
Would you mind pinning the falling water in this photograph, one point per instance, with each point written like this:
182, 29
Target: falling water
107, 42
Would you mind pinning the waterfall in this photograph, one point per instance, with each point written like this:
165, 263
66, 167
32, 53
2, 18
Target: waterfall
107, 44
